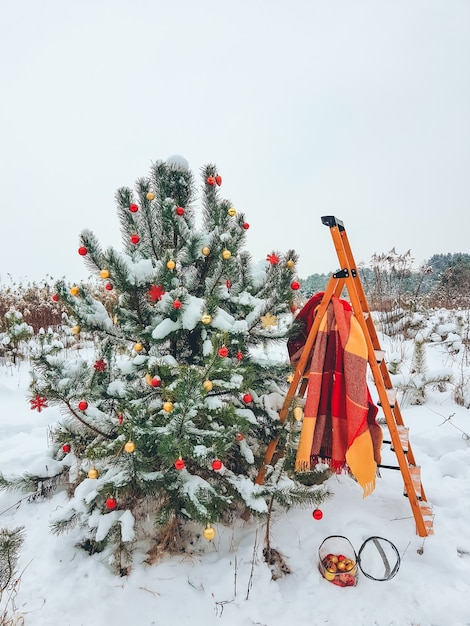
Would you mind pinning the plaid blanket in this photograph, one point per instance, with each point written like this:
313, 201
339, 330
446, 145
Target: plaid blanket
339, 425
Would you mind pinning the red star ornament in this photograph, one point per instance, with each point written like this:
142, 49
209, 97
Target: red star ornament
39, 403
100, 365
156, 292
273, 259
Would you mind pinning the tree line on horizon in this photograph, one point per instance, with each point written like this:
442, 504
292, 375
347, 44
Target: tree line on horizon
391, 281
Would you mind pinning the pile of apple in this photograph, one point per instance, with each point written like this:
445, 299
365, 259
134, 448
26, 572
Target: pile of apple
339, 570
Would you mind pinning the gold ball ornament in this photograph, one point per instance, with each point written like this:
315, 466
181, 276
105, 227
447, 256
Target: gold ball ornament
168, 406
93, 473
232, 212
206, 318
226, 254
150, 196
129, 446
148, 379
208, 385
206, 251
104, 274
76, 330
290, 263
298, 413
74, 290
209, 533
171, 265
138, 347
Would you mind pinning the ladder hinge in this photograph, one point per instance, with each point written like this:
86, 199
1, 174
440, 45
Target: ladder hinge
344, 273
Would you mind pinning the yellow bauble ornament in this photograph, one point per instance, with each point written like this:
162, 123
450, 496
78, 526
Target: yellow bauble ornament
150, 196
290, 263
104, 274
232, 212
206, 318
206, 251
148, 379
226, 254
209, 533
298, 413
208, 385
129, 446
168, 406
74, 290
171, 265
76, 330
138, 347
93, 473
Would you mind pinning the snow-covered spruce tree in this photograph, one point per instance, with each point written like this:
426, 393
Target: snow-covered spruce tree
17, 331
173, 411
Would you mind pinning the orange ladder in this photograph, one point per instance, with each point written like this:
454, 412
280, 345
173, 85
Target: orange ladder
348, 277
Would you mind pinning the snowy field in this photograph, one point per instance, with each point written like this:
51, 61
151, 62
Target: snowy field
226, 582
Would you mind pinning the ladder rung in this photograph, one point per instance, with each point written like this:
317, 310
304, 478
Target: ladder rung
392, 397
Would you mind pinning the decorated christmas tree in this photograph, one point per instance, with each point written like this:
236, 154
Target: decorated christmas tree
169, 407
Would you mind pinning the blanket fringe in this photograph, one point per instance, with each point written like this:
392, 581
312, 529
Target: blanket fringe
302, 466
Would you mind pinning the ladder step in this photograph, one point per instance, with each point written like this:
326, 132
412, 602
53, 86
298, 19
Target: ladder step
379, 355
403, 433
427, 515
392, 397
415, 473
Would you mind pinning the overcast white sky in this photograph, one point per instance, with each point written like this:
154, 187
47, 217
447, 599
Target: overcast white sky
353, 108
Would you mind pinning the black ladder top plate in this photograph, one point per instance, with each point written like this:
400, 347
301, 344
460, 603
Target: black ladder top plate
330, 220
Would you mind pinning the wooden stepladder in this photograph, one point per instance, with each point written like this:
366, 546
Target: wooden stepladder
348, 277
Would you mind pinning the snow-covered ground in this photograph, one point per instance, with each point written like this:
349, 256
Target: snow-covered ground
226, 582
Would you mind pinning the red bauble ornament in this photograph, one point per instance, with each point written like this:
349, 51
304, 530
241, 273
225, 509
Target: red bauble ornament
240, 437
108, 287
239, 356
245, 226
211, 181
216, 464
111, 503
120, 418
179, 210
55, 297
180, 464
133, 208
156, 381
135, 239
295, 285
83, 405
317, 514
218, 180
247, 398
177, 304
228, 284
66, 448
82, 251
223, 351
